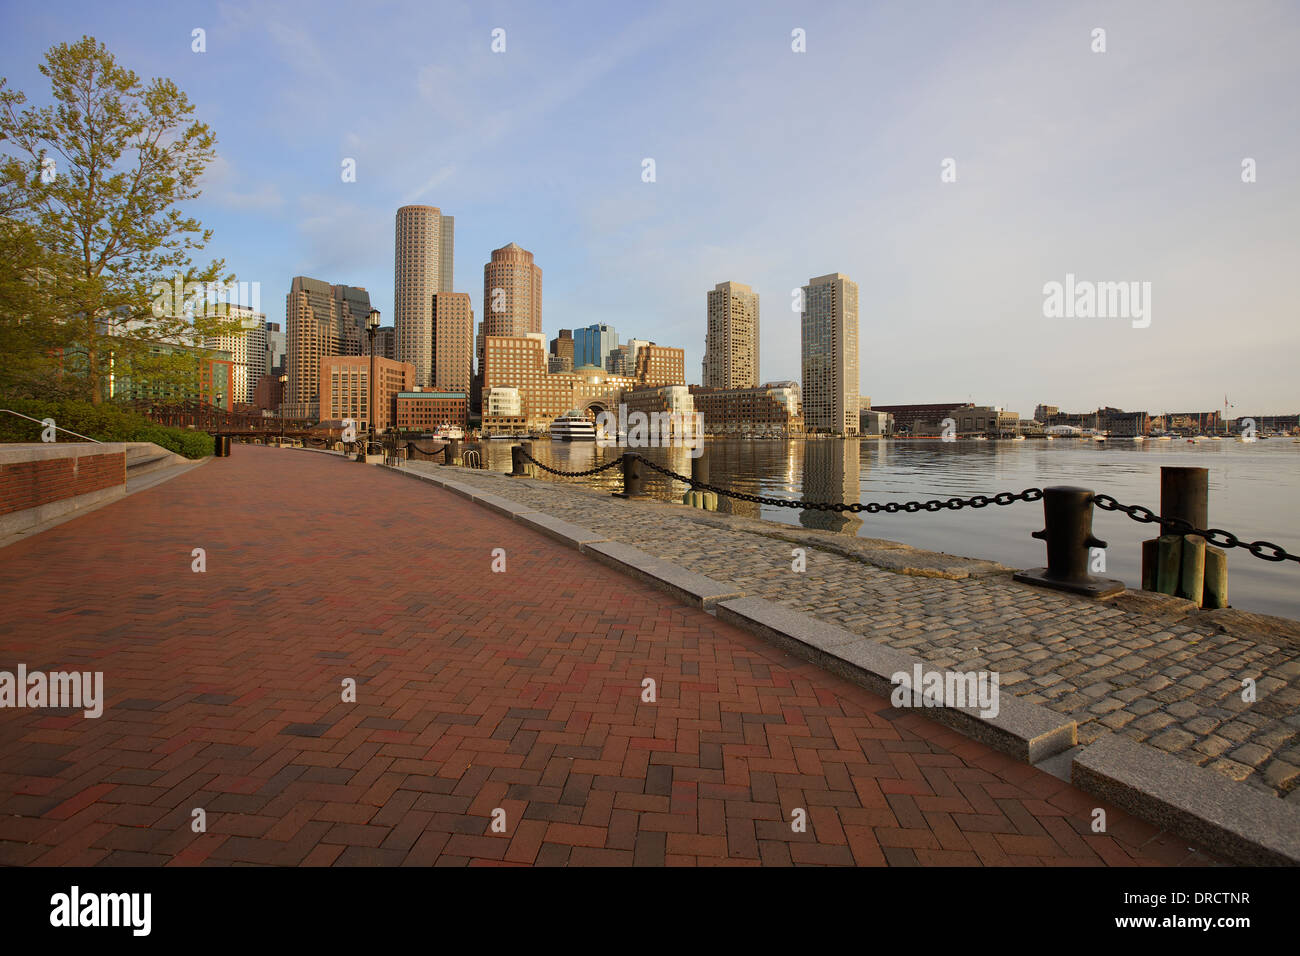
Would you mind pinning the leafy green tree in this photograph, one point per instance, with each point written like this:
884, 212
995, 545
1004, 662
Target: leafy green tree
90, 194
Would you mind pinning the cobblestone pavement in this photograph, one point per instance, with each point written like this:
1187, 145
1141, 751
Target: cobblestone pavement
1173, 683
520, 690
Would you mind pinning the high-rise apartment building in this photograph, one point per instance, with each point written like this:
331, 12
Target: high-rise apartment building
312, 333
731, 343
247, 348
829, 346
453, 341
512, 292
424, 264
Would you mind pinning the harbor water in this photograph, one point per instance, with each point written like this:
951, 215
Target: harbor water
1254, 493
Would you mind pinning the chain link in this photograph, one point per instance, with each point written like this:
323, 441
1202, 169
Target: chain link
871, 507
1265, 550
571, 474
1214, 536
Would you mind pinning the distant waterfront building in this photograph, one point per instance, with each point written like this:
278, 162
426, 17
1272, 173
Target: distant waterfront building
345, 389
247, 348
453, 341
670, 415
773, 410
520, 364
731, 342
559, 363
875, 423
987, 420
924, 420
424, 411
829, 340
424, 263
385, 343
1045, 413
592, 345
660, 363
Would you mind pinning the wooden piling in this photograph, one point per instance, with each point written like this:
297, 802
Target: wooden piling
1216, 578
1170, 550
1192, 575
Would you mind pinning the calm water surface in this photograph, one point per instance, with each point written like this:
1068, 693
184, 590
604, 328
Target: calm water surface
1254, 493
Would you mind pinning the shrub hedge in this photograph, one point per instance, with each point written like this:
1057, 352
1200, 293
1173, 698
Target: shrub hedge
107, 422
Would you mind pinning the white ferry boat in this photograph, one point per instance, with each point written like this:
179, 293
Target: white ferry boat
573, 426
445, 432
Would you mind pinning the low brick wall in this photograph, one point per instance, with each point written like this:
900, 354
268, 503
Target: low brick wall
39, 482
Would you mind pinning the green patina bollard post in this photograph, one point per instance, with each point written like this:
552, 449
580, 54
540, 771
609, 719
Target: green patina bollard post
1192, 576
1216, 578
1150, 562
1170, 561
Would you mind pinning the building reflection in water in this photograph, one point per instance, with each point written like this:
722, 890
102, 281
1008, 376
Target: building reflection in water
832, 472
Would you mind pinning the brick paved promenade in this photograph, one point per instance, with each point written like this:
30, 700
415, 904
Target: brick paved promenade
475, 691
1161, 678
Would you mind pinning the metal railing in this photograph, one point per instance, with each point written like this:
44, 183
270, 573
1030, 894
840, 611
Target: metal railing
66, 431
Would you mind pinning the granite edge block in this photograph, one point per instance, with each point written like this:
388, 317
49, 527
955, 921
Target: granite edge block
1196, 803
687, 586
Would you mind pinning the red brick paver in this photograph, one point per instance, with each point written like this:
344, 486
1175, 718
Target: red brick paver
475, 692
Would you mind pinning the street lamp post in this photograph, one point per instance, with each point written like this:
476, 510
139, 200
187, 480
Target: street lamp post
284, 384
372, 326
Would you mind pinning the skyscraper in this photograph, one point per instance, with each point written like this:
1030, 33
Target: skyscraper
312, 333
512, 292
247, 348
453, 341
353, 306
829, 340
731, 343
592, 345
424, 263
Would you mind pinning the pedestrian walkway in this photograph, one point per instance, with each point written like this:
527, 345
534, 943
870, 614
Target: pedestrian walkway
1138, 665
518, 695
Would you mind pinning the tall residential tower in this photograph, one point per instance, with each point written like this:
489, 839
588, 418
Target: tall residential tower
731, 343
829, 337
424, 264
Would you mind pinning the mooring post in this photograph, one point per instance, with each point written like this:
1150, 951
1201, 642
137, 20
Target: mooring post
518, 463
1067, 520
695, 496
1185, 494
633, 479
1177, 563
451, 454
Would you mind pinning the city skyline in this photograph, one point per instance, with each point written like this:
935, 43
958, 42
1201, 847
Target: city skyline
952, 273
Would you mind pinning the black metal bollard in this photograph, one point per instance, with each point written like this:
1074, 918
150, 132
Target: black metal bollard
633, 477
1067, 518
451, 453
518, 461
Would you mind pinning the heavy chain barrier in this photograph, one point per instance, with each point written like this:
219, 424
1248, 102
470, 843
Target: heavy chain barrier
573, 474
889, 507
1214, 536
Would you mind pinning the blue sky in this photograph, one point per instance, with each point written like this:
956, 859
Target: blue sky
773, 167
